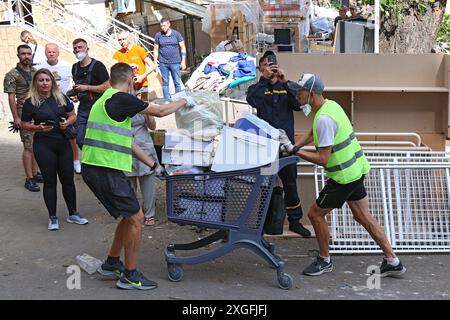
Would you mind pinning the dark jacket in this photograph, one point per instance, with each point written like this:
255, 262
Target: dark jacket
274, 104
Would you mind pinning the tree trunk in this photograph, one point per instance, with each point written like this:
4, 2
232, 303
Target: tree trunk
411, 31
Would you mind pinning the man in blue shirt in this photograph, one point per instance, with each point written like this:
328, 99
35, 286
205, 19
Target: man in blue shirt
275, 102
170, 54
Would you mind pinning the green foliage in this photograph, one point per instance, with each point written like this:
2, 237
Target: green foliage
444, 32
395, 7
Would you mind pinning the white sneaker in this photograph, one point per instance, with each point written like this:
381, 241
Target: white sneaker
77, 166
53, 223
77, 219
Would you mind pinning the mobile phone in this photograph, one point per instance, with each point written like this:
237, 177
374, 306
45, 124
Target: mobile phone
271, 59
49, 122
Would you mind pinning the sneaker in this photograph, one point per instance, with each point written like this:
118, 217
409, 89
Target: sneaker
318, 267
31, 185
149, 221
136, 281
111, 270
77, 166
297, 227
53, 223
76, 218
38, 178
388, 270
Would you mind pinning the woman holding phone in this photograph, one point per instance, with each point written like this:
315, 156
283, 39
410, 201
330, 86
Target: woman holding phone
48, 112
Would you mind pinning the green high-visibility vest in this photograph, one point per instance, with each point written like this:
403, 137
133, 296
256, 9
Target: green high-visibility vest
347, 162
107, 142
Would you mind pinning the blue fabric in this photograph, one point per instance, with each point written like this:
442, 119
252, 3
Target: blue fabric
245, 68
240, 56
166, 69
209, 69
220, 70
169, 48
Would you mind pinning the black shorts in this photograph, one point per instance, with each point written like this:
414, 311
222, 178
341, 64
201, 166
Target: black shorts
113, 189
334, 195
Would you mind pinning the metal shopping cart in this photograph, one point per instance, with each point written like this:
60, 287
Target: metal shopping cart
235, 204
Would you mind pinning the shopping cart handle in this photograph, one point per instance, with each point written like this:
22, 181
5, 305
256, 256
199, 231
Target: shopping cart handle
283, 162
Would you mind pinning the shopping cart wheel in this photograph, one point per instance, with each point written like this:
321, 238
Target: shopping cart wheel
174, 272
285, 281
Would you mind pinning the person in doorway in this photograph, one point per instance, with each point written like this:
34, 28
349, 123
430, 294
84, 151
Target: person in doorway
339, 152
17, 84
48, 112
91, 79
61, 70
275, 102
107, 153
170, 54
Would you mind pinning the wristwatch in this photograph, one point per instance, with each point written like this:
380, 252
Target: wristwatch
296, 149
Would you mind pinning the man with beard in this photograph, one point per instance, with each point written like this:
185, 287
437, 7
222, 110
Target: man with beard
16, 84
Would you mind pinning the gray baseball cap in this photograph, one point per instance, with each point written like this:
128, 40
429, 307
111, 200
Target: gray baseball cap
310, 82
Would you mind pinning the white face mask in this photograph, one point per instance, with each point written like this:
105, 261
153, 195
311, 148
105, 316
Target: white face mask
81, 55
307, 109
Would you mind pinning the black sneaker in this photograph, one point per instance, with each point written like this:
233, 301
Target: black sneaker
32, 186
388, 270
136, 281
111, 270
318, 267
297, 227
38, 178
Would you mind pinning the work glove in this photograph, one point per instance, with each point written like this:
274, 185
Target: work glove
12, 127
288, 150
182, 95
285, 150
160, 171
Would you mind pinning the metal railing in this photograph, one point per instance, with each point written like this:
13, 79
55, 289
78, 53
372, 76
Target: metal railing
58, 20
409, 195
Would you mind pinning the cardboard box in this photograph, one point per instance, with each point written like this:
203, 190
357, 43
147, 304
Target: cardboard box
186, 157
158, 137
176, 140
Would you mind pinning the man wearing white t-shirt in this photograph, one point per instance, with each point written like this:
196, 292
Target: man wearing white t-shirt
62, 71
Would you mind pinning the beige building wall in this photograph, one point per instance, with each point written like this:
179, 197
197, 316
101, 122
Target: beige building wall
10, 39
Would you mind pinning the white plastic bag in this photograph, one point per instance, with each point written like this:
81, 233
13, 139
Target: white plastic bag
204, 121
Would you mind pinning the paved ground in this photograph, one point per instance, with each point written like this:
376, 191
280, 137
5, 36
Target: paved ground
33, 261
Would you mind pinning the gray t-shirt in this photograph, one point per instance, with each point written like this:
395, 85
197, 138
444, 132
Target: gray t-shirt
326, 129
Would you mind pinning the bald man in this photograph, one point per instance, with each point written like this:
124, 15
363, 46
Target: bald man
136, 57
62, 71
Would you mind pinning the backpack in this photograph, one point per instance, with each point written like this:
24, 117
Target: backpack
276, 213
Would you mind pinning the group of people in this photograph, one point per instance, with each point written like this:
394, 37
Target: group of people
90, 80
111, 127
110, 124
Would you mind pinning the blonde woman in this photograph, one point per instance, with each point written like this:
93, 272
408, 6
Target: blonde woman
48, 112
